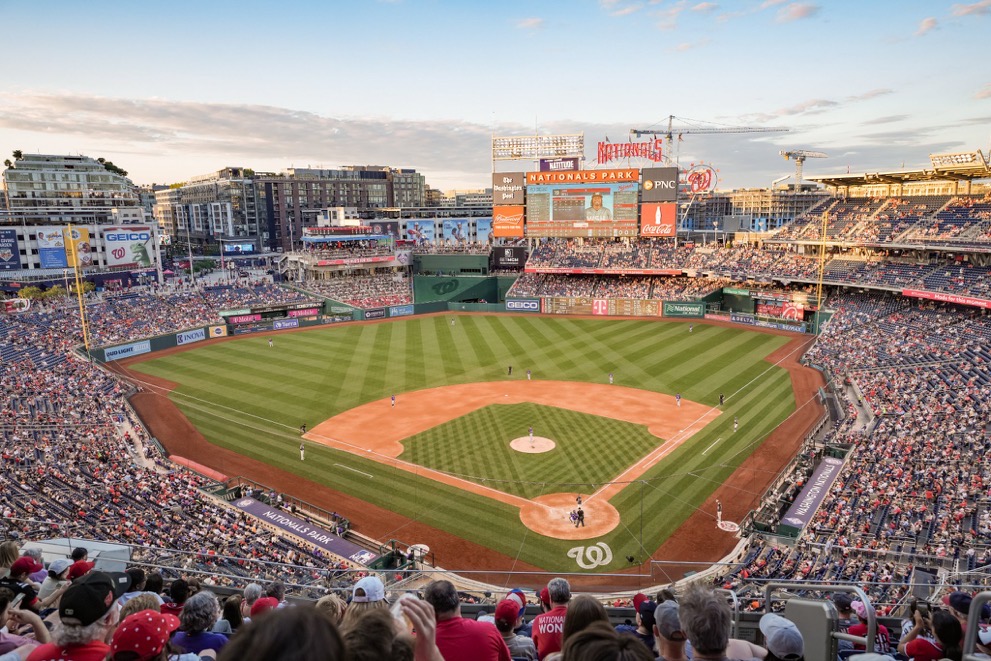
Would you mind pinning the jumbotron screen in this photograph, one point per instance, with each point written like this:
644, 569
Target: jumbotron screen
582, 209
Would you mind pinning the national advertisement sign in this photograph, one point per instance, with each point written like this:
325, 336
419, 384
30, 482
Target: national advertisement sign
127, 350
78, 249
812, 494
947, 298
507, 188
511, 258
282, 324
523, 305
742, 318
660, 185
305, 530
188, 337
659, 219
10, 255
507, 221
793, 328
401, 310
421, 231
244, 318
375, 313
129, 246
305, 312
680, 309
51, 248
559, 164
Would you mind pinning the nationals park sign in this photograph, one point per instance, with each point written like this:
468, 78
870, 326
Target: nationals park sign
812, 495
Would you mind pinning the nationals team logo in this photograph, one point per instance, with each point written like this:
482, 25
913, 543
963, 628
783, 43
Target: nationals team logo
728, 526
590, 557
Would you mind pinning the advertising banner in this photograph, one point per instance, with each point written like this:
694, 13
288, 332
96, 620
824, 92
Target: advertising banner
659, 219
511, 258
188, 337
558, 164
507, 222
626, 175
13, 305
813, 493
523, 305
282, 324
218, 331
592, 209
346, 261
585, 271
401, 310
305, 312
947, 298
126, 350
455, 230
51, 249
389, 228
660, 185
793, 328
305, 530
77, 247
681, 309
483, 230
244, 318
375, 313
742, 318
10, 256
238, 248
130, 246
421, 231
507, 188
783, 309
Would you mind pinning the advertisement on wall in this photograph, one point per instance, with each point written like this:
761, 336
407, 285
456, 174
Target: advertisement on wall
10, 256
559, 164
78, 249
507, 222
282, 324
131, 246
659, 219
455, 230
51, 249
421, 231
507, 188
389, 228
679, 309
660, 185
218, 331
188, 337
813, 493
125, 350
239, 248
523, 305
375, 313
483, 230
401, 310
511, 258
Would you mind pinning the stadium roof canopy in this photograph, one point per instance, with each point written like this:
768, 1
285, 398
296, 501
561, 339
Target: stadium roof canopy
965, 166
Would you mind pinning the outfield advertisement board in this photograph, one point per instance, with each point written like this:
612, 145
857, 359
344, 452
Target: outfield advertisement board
401, 310
282, 324
455, 230
785, 310
660, 185
483, 230
606, 307
682, 309
507, 188
387, 227
10, 255
541, 269
659, 219
305, 312
375, 313
126, 350
509, 257
218, 331
188, 337
947, 298
792, 328
244, 318
421, 231
78, 249
742, 318
522, 305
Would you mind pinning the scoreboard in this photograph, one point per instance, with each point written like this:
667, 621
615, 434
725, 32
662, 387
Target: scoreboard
607, 307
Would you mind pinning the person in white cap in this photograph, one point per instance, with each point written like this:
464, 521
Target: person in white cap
782, 638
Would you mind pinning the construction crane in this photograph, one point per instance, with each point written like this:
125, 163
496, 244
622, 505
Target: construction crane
672, 130
799, 156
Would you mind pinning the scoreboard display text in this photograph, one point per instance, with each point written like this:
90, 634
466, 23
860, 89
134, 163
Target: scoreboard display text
592, 209
606, 307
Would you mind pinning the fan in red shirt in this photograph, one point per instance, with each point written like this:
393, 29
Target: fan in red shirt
548, 627
459, 639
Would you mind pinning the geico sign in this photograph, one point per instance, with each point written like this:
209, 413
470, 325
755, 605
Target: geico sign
530, 306
128, 236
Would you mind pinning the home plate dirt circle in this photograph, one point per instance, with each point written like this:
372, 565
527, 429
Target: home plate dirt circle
540, 444
548, 515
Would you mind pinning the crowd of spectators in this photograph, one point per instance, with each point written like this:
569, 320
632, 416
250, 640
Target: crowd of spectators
365, 291
669, 288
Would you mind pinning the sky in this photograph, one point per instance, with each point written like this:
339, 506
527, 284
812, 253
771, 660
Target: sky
172, 90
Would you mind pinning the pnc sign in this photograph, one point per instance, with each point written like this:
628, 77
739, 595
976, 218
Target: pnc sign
660, 185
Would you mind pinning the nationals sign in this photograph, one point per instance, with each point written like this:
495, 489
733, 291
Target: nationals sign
650, 150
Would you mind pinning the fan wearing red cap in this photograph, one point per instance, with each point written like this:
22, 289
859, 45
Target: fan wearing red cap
882, 641
548, 627
144, 636
18, 583
507, 617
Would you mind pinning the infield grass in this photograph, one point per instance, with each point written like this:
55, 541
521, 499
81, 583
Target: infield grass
250, 398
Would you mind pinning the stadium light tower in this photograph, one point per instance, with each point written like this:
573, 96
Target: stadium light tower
799, 156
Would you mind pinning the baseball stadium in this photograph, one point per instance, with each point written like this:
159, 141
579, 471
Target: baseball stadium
604, 377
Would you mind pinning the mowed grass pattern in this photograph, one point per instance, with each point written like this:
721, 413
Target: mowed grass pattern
248, 397
590, 450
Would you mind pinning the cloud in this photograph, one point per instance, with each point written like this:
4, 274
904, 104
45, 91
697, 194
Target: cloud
890, 119
705, 7
982, 8
882, 91
668, 17
687, 46
984, 92
530, 23
617, 8
927, 25
767, 4
796, 11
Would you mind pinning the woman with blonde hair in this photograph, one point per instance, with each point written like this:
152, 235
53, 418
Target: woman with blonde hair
9, 552
367, 594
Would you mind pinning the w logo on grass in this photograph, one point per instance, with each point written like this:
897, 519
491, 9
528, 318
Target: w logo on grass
590, 557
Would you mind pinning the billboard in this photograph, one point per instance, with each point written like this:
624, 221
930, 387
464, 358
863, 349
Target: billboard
507, 221
651, 150
510, 257
659, 219
523, 305
507, 188
282, 324
559, 164
125, 350
188, 337
375, 313
483, 230
401, 310
813, 493
51, 248
131, 246
679, 309
660, 185
388, 227
421, 231
783, 309
238, 248
10, 256
590, 208
218, 331
78, 249
455, 230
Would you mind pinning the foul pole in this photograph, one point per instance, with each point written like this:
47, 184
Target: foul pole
79, 289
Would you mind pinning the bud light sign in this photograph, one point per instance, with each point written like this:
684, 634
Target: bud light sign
523, 305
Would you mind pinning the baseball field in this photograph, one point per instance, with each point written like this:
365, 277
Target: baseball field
452, 460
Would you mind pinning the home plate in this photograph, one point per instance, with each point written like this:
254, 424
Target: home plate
539, 444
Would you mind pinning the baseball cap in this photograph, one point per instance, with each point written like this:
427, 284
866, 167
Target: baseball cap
859, 608
783, 638
507, 611
25, 565
516, 594
842, 601
90, 597
638, 599
668, 622
984, 636
59, 565
263, 604
80, 568
144, 633
646, 610
545, 597
372, 588
958, 601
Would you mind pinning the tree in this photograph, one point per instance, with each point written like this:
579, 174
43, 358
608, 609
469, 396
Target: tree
17, 154
53, 292
34, 293
8, 163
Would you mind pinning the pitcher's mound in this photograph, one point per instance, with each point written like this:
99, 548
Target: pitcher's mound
540, 444
548, 515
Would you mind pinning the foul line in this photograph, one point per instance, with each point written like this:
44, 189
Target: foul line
711, 445
368, 475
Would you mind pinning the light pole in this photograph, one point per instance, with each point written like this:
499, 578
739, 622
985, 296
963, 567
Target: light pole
189, 247
715, 234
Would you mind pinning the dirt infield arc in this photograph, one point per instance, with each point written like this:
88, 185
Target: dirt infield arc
376, 430
697, 539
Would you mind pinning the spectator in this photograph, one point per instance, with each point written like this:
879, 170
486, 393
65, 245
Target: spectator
372, 637
882, 641
35, 554
231, 618
458, 637
644, 616
507, 619
959, 605
706, 618
288, 634
263, 605
548, 627
277, 590
782, 638
87, 613
600, 641
332, 606
18, 583
367, 594
10, 642
80, 563
197, 618
143, 636
57, 579
252, 591
9, 552
178, 594
668, 632
139, 582
142, 602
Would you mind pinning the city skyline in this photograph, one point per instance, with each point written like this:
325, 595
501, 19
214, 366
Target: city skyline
168, 95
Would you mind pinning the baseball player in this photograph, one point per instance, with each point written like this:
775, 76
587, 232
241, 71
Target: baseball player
736, 424
528, 375
610, 378
721, 398
691, 327
393, 401
510, 371
271, 342
677, 399
531, 437
302, 428
302, 450
719, 512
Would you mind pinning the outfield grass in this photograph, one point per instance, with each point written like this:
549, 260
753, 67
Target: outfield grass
250, 398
